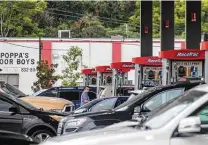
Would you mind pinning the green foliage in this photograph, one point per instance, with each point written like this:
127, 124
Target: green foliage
45, 75
88, 27
179, 18
85, 19
70, 73
19, 18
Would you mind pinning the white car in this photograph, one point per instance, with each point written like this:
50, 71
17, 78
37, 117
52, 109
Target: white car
181, 122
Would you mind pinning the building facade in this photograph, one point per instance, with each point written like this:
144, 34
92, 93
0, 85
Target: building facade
19, 56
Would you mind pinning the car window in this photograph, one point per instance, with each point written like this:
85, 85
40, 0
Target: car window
104, 105
49, 93
70, 95
172, 109
92, 95
162, 98
4, 105
203, 114
121, 100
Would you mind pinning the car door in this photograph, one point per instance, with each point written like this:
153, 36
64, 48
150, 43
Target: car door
160, 99
200, 138
8, 120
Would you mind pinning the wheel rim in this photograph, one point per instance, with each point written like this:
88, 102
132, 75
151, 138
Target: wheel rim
42, 137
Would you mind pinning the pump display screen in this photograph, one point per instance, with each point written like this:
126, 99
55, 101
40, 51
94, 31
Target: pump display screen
186, 69
152, 76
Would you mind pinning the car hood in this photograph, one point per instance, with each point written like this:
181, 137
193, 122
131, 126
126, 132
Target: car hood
88, 114
129, 123
103, 137
47, 103
42, 112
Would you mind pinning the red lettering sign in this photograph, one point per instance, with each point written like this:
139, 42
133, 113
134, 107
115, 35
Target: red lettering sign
187, 54
154, 60
128, 66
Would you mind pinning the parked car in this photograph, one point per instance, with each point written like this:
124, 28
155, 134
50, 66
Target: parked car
22, 117
69, 93
181, 122
142, 104
46, 103
101, 104
12, 138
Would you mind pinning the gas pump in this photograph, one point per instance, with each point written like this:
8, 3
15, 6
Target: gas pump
148, 71
104, 76
182, 65
89, 76
120, 74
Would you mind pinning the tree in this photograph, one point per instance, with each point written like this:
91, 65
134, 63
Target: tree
88, 27
179, 18
73, 60
45, 75
131, 32
135, 18
18, 18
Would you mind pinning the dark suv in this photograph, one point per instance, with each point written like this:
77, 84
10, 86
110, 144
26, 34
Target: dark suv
69, 93
22, 117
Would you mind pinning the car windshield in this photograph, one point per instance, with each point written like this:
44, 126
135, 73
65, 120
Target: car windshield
38, 92
9, 89
87, 106
133, 99
172, 109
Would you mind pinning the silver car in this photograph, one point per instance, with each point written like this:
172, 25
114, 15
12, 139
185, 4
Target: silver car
181, 122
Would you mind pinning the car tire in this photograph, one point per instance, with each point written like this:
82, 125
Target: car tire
42, 135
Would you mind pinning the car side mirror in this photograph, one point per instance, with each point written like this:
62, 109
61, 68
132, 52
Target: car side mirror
189, 125
13, 109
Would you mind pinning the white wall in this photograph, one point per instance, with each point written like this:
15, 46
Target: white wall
26, 72
94, 54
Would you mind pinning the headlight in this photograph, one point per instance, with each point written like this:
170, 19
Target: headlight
75, 122
73, 125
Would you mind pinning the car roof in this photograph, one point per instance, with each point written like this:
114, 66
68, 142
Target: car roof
203, 88
136, 91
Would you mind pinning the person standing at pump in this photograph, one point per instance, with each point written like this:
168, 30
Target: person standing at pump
84, 97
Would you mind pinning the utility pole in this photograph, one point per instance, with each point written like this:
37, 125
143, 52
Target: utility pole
40, 49
126, 25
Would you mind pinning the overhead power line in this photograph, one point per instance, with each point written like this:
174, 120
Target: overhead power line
81, 14
67, 49
109, 21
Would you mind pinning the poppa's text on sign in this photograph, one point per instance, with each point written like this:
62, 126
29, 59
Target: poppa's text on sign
16, 58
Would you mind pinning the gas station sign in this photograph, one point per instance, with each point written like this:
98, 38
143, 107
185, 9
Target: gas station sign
187, 69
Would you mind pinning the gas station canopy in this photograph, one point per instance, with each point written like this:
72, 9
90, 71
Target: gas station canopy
148, 61
185, 54
103, 69
123, 66
89, 71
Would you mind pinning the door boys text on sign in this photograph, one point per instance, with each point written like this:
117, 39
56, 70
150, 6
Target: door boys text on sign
16, 59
